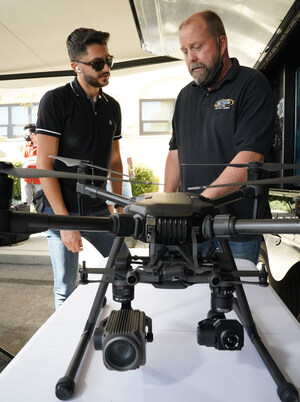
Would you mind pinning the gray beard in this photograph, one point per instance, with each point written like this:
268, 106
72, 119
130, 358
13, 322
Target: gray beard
203, 76
206, 77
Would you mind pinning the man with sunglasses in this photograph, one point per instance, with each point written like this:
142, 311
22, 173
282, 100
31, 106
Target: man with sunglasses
79, 121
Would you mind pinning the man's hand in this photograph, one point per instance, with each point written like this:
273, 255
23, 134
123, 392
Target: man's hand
132, 174
72, 240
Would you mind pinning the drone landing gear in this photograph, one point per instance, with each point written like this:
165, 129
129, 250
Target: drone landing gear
65, 386
6, 353
286, 391
225, 334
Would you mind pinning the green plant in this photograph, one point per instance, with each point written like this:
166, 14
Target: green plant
278, 203
17, 183
146, 175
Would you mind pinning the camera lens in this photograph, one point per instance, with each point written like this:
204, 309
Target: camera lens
230, 340
121, 353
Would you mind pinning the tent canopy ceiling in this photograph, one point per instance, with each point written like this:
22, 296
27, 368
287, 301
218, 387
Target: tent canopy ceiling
33, 32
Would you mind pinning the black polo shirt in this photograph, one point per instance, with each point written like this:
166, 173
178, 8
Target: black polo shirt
85, 130
238, 114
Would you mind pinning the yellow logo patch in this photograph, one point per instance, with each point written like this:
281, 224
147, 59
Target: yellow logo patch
223, 104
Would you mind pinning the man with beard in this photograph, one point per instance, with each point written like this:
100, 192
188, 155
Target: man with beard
226, 115
79, 121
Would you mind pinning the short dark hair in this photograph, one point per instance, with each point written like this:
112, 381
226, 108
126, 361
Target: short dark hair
81, 38
31, 127
213, 22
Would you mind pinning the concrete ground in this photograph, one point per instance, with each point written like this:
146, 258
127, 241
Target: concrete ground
26, 293
26, 290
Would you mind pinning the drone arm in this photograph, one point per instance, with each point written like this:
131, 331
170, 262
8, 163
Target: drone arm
265, 226
93, 192
21, 222
228, 226
241, 194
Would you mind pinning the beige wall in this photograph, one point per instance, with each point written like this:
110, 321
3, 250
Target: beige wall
146, 83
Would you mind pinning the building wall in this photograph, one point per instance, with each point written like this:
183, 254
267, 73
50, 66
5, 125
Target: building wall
147, 82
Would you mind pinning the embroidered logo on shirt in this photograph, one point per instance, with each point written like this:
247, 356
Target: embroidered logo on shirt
223, 104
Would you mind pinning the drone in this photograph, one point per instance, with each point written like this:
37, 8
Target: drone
173, 225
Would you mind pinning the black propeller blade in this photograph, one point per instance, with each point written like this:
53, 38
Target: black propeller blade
25, 173
279, 180
76, 162
272, 167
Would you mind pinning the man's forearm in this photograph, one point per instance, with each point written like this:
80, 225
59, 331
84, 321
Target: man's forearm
116, 165
130, 163
116, 186
232, 175
172, 173
49, 146
52, 190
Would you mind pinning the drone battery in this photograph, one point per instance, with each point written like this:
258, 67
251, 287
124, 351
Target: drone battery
172, 229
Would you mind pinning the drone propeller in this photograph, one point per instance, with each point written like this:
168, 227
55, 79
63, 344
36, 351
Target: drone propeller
272, 167
76, 162
279, 180
25, 173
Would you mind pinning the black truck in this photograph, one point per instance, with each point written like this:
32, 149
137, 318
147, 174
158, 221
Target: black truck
280, 63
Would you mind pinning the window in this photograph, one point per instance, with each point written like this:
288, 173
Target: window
156, 116
13, 118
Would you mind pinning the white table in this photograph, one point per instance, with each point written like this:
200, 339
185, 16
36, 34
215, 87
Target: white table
177, 368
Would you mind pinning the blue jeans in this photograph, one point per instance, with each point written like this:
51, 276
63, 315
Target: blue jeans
65, 263
248, 250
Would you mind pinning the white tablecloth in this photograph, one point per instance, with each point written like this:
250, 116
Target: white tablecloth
177, 368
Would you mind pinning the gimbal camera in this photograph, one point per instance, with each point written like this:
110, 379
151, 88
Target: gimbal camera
173, 225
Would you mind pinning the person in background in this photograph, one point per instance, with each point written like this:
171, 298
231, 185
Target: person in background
226, 115
128, 169
80, 121
29, 186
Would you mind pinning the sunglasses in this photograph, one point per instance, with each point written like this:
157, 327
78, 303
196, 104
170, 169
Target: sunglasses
98, 65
